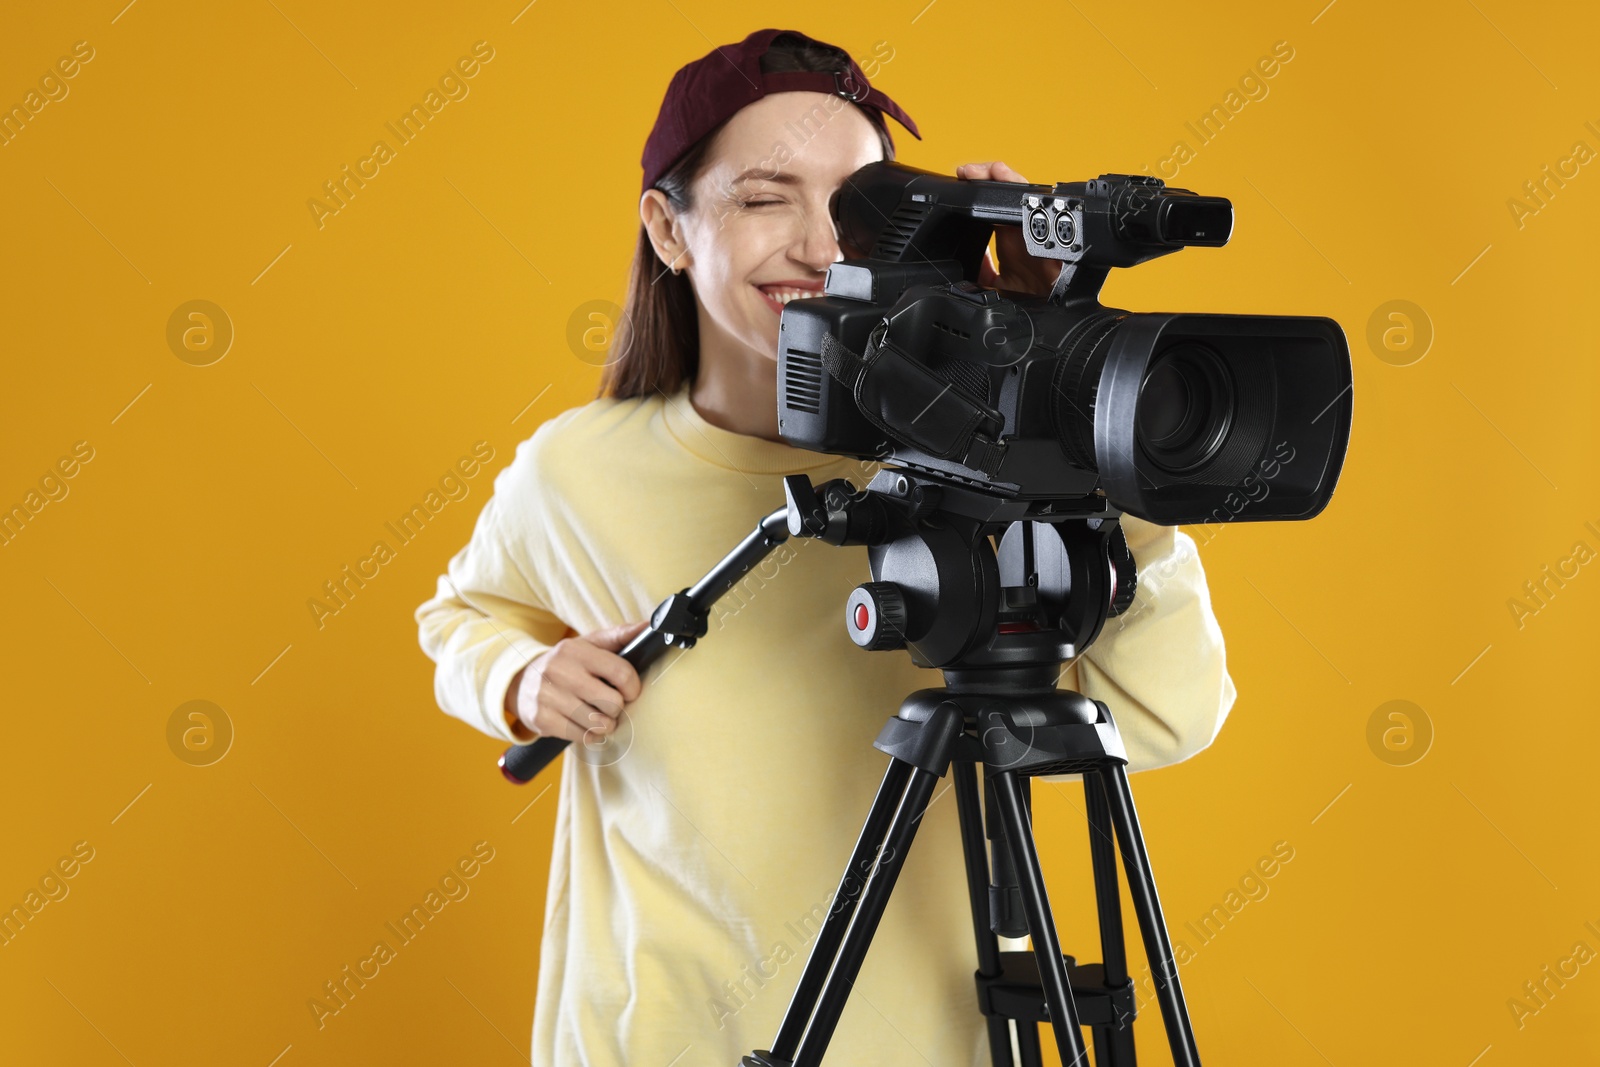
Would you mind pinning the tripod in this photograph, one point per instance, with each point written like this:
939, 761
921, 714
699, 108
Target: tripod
993, 619
998, 617
1016, 725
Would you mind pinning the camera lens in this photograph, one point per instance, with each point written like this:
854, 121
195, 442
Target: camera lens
1186, 406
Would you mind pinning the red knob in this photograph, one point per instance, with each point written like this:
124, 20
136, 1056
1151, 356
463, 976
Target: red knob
876, 616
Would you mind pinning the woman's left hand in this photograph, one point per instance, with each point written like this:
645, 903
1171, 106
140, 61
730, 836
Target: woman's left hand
1019, 272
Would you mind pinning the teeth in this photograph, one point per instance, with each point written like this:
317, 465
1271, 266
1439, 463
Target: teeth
783, 296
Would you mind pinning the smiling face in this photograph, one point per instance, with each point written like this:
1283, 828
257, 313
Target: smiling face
758, 232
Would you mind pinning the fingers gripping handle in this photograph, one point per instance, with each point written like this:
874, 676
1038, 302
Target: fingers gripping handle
677, 621
521, 763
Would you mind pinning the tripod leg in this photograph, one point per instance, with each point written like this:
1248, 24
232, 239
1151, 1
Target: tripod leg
845, 898
1157, 945
971, 820
1046, 945
874, 898
1028, 1045
1113, 1043
1005, 901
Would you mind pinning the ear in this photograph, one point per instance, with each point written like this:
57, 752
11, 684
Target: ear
661, 224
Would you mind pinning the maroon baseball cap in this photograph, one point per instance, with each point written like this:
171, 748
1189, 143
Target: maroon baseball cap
706, 93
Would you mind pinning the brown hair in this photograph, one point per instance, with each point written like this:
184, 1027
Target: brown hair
658, 337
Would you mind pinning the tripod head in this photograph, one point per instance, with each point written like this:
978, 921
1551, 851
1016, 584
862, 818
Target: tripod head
969, 581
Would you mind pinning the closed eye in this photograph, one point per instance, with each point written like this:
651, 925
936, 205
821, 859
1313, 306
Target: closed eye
759, 203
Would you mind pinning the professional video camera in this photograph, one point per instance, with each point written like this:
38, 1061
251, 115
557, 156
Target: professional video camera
1058, 400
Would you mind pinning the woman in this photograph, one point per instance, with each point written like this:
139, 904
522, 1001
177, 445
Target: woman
698, 849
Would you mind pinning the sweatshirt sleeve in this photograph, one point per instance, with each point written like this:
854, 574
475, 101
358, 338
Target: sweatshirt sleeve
1160, 666
485, 621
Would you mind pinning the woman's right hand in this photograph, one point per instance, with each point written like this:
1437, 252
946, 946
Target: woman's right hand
580, 685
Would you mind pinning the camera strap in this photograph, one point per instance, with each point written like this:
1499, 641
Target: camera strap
905, 400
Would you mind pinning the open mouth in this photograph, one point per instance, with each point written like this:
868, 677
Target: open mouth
778, 295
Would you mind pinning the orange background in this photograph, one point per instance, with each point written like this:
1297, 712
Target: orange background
432, 312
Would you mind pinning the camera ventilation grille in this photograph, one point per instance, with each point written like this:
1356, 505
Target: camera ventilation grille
802, 381
896, 234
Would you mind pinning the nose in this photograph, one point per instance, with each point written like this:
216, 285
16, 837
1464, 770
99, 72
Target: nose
819, 244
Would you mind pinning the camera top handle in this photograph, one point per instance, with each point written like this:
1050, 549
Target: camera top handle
900, 213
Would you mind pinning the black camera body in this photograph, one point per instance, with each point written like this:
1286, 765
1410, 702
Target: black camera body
1058, 401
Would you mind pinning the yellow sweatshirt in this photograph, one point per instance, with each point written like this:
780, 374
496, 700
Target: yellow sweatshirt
697, 850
